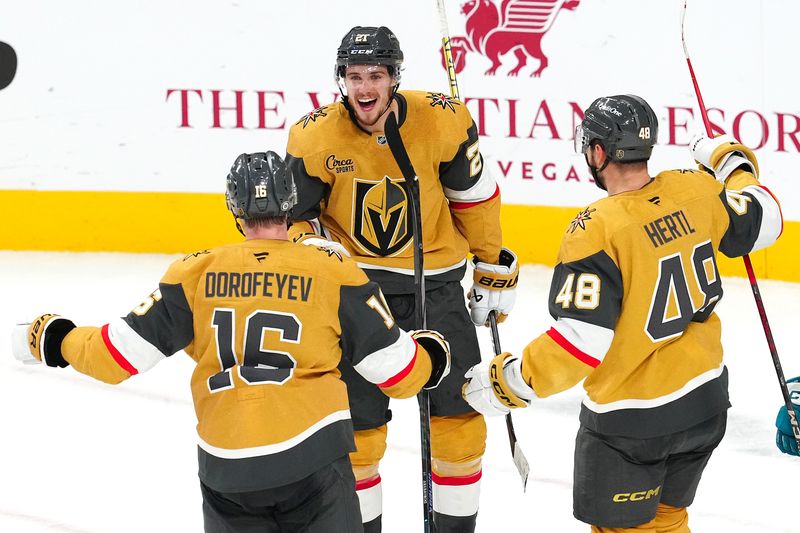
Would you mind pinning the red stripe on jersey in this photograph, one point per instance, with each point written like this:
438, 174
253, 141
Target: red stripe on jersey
457, 481
364, 484
118, 357
572, 349
397, 378
465, 205
780, 211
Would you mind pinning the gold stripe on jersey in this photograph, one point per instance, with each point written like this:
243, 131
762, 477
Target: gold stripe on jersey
84, 349
476, 222
410, 380
361, 189
550, 368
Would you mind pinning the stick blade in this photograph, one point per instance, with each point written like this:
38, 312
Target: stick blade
522, 465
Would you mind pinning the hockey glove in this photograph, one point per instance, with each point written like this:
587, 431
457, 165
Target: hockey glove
493, 288
495, 387
439, 351
722, 155
312, 239
785, 438
40, 341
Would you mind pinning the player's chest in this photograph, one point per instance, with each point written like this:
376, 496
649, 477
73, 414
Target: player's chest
369, 167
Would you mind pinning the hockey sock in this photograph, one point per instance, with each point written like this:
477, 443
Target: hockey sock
370, 499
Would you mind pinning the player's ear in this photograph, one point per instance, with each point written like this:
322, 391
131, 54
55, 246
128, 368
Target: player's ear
600, 154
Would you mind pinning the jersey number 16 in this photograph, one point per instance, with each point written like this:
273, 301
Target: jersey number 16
258, 366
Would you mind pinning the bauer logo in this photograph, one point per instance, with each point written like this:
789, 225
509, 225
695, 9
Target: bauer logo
495, 28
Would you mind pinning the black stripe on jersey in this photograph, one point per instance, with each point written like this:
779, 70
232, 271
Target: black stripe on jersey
310, 190
396, 283
607, 310
402, 108
168, 324
269, 471
364, 328
742, 233
454, 174
700, 404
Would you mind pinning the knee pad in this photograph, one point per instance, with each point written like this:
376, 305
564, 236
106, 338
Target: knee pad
458, 440
370, 447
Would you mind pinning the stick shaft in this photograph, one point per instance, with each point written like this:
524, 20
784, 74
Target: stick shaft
748, 265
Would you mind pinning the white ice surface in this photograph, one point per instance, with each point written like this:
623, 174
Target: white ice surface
80, 456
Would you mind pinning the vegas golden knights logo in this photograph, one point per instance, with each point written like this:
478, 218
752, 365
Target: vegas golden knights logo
381, 218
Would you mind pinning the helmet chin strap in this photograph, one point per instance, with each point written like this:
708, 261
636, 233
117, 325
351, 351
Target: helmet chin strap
596, 171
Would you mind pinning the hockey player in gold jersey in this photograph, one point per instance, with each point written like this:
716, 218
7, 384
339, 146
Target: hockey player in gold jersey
633, 297
267, 321
352, 192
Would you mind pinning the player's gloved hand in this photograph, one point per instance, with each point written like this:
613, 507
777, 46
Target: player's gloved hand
312, 239
439, 351
785, 437
493, 288
40, 341
489, 386
722, 155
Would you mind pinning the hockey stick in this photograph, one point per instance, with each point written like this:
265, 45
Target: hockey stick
747, 264
395, 142
516, 451
447, 50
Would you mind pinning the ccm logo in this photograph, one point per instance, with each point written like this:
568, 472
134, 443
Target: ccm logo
498, 389
636, 496
493, 283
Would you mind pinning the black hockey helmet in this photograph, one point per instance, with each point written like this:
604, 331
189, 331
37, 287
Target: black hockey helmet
625, 125
260, 185
369, 45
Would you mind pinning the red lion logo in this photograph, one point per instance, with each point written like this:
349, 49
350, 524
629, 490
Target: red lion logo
518, 25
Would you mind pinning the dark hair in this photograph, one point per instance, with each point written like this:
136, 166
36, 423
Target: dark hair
265, 222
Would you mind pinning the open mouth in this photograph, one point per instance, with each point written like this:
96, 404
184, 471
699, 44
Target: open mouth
367, 105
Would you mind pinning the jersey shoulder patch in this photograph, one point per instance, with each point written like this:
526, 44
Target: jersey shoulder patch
189, 265
438, 105
314, 130
334, 265
585, 234
312, 116
690, 179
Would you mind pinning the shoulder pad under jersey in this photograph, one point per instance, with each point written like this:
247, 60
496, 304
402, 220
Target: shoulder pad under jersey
316, 129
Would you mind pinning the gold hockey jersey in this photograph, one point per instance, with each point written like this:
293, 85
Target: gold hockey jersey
350, 189
633, 295
267, 322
